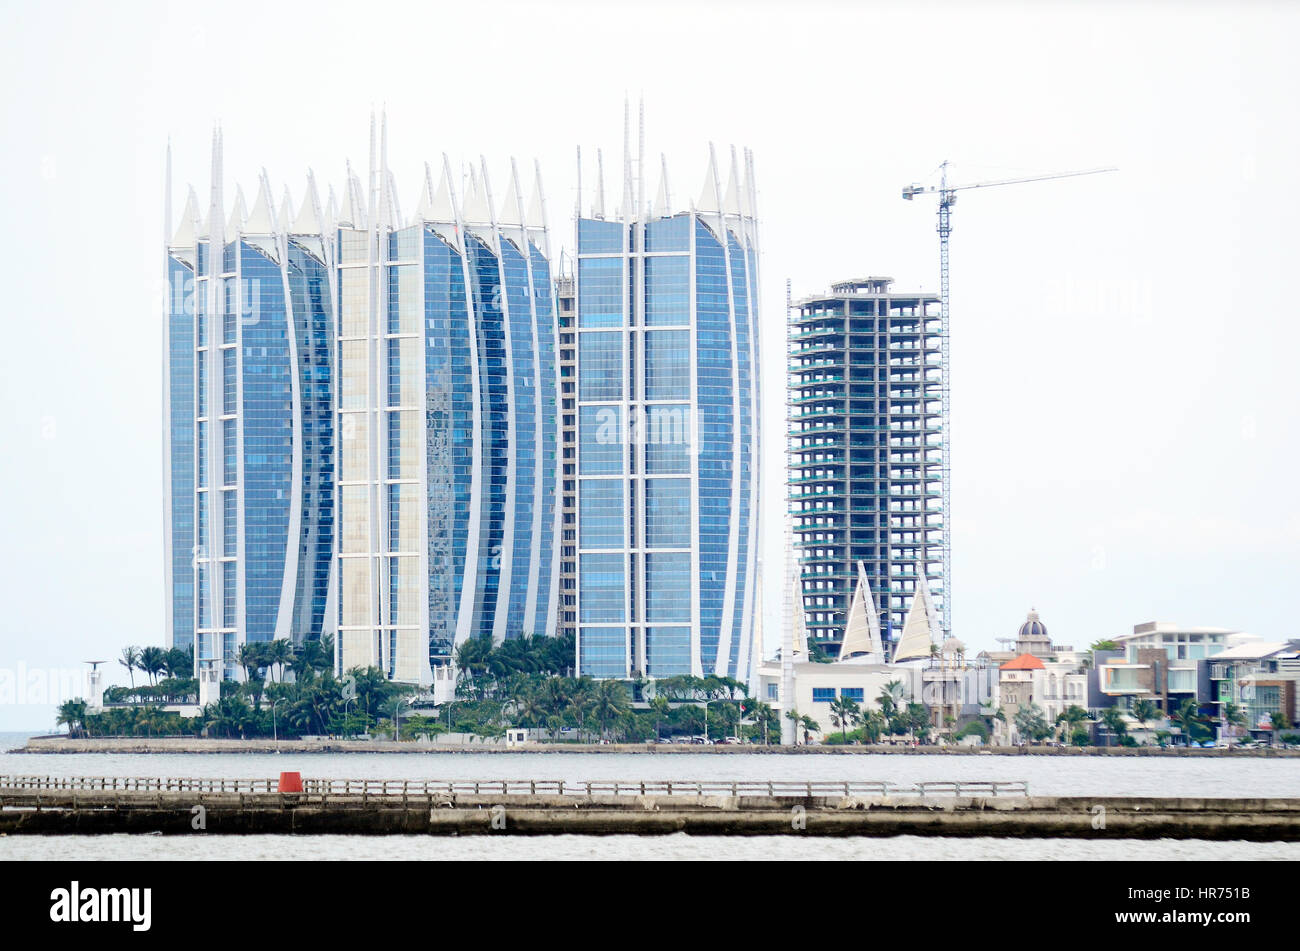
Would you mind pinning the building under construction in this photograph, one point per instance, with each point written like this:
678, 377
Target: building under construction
866, 446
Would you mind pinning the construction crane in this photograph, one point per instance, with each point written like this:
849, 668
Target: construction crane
947, 198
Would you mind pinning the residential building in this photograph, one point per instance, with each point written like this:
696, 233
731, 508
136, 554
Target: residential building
1260, 678
447, 412
667, 428
249, 428
1160, 663
865, 447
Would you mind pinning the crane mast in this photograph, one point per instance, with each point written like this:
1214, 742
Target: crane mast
947, 198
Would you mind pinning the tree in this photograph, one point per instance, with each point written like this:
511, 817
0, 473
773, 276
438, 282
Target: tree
152, 661
1105, 644
1144, 711
659, 707
1189, 720
891, 698
1114, 721
795, 717
130, 659
1070, 718
72, 713
278, 653
609, 701
844, 714
1031, 723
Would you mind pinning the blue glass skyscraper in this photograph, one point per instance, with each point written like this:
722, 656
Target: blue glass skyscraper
666, 359
250, 427
447, 415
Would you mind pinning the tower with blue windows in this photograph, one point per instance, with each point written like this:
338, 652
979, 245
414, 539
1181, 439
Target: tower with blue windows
447, 420
249, 426
666, 365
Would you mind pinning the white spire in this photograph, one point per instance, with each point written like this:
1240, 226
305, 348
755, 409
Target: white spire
535, 217
435, 203
663, 203
187, 227
237, 214
308, 219
285, 217
332, 210
709, 193
394, 208
920, 630
598, 210
627, 161
259, 220
731, 200
746, 192
476, 208
511, 211
216, 204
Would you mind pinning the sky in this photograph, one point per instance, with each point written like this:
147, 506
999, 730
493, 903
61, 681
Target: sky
1124, 418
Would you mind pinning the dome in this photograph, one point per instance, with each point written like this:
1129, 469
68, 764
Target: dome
953, 646
1033, 627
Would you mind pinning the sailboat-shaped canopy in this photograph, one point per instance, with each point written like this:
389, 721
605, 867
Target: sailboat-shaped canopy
920, 630
862, 643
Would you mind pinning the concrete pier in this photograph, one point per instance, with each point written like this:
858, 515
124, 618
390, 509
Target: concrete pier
186, 812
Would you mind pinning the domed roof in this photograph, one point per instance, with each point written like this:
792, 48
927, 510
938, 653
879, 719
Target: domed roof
1033, 627
952, 646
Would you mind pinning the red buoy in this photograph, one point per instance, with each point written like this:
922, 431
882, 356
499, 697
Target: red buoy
290, 782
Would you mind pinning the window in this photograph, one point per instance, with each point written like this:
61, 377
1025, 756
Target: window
823, 694
855, 694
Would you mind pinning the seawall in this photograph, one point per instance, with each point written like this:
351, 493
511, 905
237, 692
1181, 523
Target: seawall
185, 813
56, 744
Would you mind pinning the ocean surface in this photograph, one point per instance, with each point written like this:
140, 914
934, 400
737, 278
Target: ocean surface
1046, 775
258, 848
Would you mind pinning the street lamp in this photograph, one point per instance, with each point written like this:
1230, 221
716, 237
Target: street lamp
706, 718
397, 716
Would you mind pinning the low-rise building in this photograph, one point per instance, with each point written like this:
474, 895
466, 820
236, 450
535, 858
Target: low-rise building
1160, 663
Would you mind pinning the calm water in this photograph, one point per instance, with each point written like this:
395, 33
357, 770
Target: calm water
1046, 775
670, 847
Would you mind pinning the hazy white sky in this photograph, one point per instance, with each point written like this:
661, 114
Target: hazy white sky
1123, 344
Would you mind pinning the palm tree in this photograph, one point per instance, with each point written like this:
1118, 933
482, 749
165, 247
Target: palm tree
73, 714
609, 702
891, 698
795, 717
1188, 718
659, 707
809, 726
1114, 721
1070, 718
278, 654
844, 714
153, 660
130, 659
1144, 711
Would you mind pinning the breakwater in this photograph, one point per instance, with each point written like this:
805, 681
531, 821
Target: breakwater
526, 807
63, 744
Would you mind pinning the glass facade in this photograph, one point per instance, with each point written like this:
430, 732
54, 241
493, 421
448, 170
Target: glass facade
458, 319
666, 432
250, 423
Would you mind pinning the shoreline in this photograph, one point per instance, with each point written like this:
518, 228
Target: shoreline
50, 745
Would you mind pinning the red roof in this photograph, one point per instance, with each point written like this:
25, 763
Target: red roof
1024, 662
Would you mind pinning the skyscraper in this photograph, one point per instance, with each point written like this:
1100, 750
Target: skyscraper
866, 444
447, 415
667, 428
249, 426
